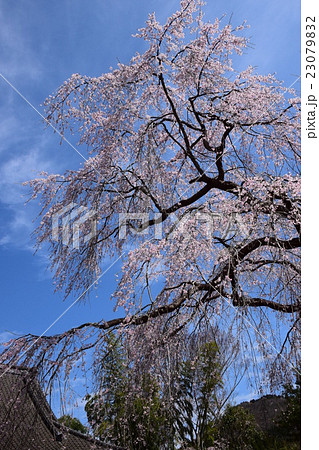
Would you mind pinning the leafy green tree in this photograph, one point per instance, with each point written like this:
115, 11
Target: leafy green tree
137, 420
104, 409
238, 429
73, 423
289, 423
237, 426
286, 433
149, 424
166, 403
127, 411
200, 379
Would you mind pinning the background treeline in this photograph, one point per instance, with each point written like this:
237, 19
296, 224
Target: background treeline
181, 400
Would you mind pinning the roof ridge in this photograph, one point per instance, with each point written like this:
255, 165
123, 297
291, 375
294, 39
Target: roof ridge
42, 406
17, 369
87, 437
32, 384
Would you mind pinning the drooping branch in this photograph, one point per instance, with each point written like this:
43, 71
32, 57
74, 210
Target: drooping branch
178, 132
252, 302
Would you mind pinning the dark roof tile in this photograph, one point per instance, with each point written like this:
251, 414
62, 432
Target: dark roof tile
27, 421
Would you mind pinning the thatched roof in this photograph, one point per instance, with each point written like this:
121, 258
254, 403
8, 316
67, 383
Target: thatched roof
27, 421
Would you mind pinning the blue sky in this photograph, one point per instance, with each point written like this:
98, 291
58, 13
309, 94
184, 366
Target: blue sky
41, 45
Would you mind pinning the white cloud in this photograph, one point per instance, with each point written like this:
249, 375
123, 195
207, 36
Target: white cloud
17, 170
18, 220
18, 230
17, 56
